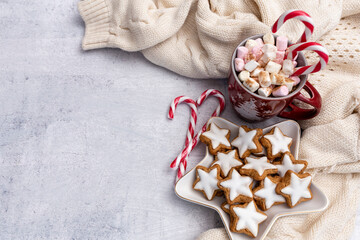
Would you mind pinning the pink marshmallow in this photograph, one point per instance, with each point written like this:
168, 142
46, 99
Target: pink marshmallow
281, 91
296, 80
257, 52
259, 42
242, 52
281, 43
294, 63
280, 54
239, 64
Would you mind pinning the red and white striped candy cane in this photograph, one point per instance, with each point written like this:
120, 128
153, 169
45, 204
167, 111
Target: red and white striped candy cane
191, 128
188, 148
313, 46
300, 15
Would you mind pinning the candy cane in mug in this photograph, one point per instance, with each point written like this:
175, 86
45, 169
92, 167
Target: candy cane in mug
309, 46
300, 15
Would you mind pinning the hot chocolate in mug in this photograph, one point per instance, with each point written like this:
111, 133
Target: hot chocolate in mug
253, 107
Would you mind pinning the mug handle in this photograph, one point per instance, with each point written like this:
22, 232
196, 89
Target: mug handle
298, 113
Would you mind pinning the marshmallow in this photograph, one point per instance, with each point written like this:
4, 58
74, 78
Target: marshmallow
288, 67
242, 52
251, 84
264, 79
256, 72
281, 91
277, 79
269, 48
264, 91
296, 80
269, 38
289, 83
294, 63
251, 65
239, 64
272, 67
250, 57
279, 57
259, 42
250, 44
262, 63
268, 56
257, 52
283, 74
244, 75
281, 43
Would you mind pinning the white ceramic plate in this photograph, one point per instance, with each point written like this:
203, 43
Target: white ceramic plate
185, 191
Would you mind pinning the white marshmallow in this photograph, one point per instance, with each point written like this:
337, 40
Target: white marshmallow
264, 91
272, 67
289, 83
244, 75
251, 84
250, 44
264, 79
269, 48
269, 39
251, 65
277, 79
256, 72
288, 67
268, 56
283, 74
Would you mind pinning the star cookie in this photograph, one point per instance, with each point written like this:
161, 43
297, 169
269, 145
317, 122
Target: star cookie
236, 188
207, 181
225, 207
295, 188
257, 168
247, 141
246, 218
217, 139
288, 162
265, 195
276, 143
227, 161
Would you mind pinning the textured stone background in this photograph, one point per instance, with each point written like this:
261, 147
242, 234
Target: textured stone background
85, 144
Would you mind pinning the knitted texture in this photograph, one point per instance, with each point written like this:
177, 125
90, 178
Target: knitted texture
196, 38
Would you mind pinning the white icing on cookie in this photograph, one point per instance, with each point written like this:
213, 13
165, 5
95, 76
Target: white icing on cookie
287, 164
298, 188
208, 182
217, 136
268, 193
280, 143
249, 218
244, 141
226, 161
238, 185
258, 164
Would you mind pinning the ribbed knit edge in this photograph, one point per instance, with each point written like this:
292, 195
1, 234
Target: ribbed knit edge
96, 15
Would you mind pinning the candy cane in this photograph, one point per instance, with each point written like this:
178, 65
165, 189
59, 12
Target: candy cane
191, 128
188, 148
316, 47
300, 15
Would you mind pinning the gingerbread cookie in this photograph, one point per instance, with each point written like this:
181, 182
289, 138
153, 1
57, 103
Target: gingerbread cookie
207, 181
288, 162
257, 168
265, 195
225, 207
227, 161
247, 141
295, 188
245, 218
217, 139
236, 188
276, 143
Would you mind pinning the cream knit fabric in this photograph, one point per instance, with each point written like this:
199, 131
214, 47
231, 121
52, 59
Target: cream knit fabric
195, 38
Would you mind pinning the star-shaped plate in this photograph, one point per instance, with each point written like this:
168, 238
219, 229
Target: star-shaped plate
184, 190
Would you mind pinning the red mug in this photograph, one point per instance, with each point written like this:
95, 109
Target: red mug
253, 107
